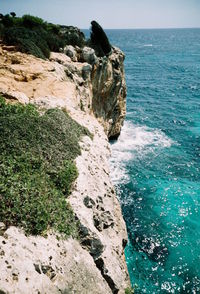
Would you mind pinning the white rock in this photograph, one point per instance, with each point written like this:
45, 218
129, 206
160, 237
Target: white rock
60, 58
70, 51
89, 56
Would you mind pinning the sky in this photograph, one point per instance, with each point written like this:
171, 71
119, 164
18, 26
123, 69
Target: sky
111, 14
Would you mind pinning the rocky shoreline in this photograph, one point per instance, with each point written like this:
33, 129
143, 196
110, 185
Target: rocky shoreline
92, 89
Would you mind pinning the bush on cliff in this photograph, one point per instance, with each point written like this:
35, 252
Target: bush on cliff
72, 36
32, 22
33, 35
27, 41
37, 168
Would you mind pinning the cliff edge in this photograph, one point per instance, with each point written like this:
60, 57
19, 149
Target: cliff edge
92, 90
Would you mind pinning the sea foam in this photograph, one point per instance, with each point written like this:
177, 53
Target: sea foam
134, 140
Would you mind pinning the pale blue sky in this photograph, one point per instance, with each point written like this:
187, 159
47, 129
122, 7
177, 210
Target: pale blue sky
111, 13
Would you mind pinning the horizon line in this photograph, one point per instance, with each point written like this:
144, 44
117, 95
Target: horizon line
162, 28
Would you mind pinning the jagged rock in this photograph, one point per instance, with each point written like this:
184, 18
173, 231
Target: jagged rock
70, 51
109, 92
37, 268
98, 222
100, 264
88, 55
103, 220
86, 72
99, 40
89, 202
49, 271
91, 241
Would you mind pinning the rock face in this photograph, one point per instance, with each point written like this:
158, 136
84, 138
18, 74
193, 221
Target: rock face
109, 92
93, 91
46, 265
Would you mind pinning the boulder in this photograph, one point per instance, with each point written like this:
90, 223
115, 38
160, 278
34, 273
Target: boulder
70, 51
88, 55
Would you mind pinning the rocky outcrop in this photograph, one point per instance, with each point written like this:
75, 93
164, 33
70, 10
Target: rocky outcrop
99, 40
96, 84
106, 79
109, 92
93, 91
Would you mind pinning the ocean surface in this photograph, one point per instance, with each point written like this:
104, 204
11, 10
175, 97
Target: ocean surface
155, 163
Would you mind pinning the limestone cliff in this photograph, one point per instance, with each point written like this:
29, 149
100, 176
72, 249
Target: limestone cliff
93, 91
109, 92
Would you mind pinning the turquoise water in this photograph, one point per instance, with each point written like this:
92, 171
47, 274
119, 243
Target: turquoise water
155, 163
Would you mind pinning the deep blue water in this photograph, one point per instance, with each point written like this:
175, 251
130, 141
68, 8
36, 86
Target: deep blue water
155, 163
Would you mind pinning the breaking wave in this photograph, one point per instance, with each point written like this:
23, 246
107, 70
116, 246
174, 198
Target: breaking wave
134, 141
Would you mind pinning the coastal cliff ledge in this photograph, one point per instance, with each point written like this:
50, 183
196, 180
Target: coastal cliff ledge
93, 92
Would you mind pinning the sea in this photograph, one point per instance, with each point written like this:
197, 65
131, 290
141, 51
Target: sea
155, 163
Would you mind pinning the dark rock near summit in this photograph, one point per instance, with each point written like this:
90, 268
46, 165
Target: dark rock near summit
99, 40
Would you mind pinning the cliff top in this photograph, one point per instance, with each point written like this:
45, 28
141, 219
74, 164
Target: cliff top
33, 35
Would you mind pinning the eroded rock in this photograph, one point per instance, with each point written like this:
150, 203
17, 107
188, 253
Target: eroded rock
88, 55
89, 202
70, 51
109, 92
31, 271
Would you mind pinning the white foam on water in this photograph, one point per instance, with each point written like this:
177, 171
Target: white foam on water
134, 140
148, 45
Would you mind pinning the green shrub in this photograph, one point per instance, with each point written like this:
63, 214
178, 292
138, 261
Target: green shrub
7, 20
1, 30
54, 42
31, 22
28, 41
31, 34
37, 168
55, 29
129, 291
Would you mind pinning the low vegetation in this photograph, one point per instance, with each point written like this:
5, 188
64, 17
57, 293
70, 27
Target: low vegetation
129, 291
37, 168
33, 35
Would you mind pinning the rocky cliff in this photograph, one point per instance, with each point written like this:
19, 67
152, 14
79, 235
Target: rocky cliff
93, 91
